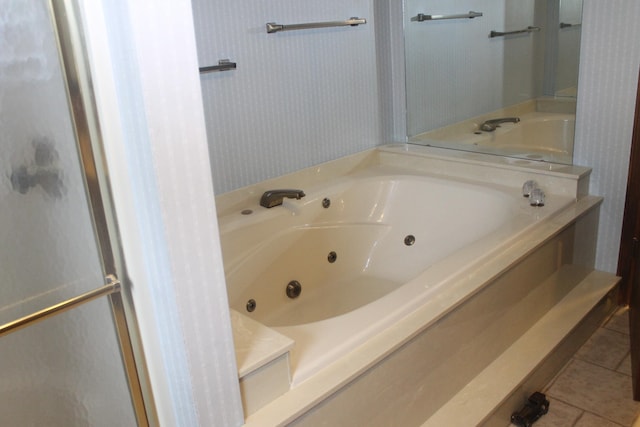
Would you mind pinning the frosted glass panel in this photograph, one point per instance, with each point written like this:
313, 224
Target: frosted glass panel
48, 251
65, 371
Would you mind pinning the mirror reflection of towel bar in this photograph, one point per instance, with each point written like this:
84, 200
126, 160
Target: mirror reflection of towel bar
526, 30
421, 17
272, 27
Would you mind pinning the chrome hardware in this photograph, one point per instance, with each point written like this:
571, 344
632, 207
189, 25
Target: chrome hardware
421, 17
566, 25
294, 289
529, 29
537, 197
528, 187
332, 257
272, 27
273, 198
113, 286
223, 65
491, 125
251, 305
326, 203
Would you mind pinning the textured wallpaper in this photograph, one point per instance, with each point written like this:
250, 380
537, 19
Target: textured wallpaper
609, 61
297, 98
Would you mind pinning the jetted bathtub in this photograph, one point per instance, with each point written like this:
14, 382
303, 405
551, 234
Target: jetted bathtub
362, 251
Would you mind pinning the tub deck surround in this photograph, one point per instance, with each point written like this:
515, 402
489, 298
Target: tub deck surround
561, 179
262, 357
255, 344
325, 364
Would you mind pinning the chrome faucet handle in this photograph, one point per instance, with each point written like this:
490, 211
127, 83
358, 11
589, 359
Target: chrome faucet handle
528, 187
537, 197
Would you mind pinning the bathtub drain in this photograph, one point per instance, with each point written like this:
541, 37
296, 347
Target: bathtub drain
251, 305
409, 240
332, 257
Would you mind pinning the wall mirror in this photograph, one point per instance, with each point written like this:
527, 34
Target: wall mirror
493, 76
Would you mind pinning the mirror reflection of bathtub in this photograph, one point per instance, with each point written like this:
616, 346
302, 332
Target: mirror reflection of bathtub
545, 131
456, 73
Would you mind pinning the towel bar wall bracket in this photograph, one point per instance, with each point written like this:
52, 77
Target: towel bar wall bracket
223, 65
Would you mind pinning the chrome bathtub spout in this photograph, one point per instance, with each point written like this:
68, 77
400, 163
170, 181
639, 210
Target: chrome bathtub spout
272, 198
491, 125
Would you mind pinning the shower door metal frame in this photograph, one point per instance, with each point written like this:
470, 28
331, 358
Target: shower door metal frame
80, 96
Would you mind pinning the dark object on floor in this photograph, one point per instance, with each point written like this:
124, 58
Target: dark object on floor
536, 406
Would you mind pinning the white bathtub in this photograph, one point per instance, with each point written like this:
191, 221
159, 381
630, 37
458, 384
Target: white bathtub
376, 277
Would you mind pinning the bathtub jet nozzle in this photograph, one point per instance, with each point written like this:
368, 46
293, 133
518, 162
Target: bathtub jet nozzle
294, 289
272, 198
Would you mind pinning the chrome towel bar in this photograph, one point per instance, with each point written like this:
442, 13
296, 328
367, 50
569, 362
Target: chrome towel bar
526, 30
566, 25
223, 65
272, 27
421, 17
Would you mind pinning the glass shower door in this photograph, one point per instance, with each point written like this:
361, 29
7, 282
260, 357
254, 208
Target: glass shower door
67, 369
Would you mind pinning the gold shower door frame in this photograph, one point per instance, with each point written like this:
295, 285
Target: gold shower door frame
76, 75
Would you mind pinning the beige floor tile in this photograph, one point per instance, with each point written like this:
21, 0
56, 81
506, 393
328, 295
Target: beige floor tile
604, 392
625, 366
606, 348
619, 321
590, 420
560, 415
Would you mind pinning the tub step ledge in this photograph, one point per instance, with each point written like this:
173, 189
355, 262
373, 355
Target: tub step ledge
262, 357
533, 360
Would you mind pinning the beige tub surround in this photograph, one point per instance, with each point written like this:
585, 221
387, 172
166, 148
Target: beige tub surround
262, 356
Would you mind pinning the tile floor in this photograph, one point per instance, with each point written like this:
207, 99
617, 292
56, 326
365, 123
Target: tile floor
594, 388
